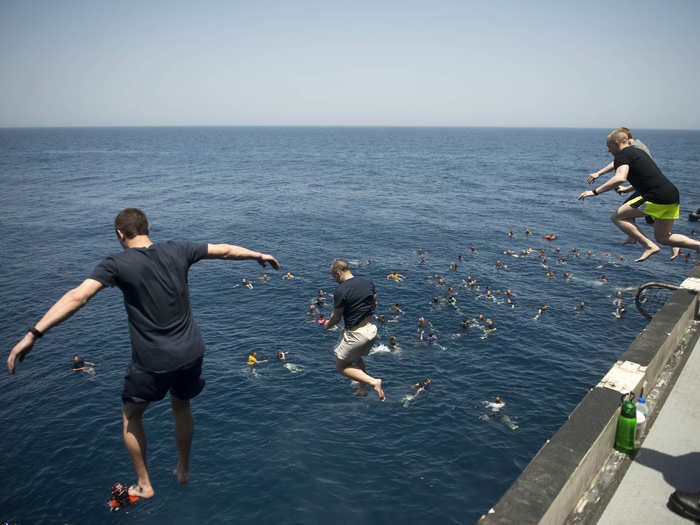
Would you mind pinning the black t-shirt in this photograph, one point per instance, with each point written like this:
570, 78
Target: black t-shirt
646, 177
164, 335
78, 364
356, 297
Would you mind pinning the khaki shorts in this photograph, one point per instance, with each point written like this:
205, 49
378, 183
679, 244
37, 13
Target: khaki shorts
354, 344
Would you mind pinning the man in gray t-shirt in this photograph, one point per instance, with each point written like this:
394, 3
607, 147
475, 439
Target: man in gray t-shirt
167, 347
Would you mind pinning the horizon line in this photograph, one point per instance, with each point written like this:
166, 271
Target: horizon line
377, 126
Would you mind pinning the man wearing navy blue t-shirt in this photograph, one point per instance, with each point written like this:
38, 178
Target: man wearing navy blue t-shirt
166, 344
354, 301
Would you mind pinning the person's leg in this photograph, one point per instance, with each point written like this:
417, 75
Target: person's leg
135, 441
623, 218
349, 370
662, 233
184, 430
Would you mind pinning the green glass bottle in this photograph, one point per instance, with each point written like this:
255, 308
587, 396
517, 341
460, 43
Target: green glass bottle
626, 427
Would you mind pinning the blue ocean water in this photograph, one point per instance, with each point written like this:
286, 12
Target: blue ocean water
292, 444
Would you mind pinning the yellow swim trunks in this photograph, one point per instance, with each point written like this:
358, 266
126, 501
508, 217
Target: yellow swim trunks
657, 211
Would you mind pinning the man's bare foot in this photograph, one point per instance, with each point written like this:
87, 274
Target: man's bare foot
629, 240
676, 252
380, 392
141, 492
648, 253
182, 474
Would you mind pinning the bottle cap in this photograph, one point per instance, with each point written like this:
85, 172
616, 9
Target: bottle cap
628, 409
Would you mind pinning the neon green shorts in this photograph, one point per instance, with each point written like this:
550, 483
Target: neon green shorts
657, 211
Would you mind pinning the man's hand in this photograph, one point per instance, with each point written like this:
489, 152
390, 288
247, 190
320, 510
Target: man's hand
265, 258
20, 350
592, 177
585, 194
623, 189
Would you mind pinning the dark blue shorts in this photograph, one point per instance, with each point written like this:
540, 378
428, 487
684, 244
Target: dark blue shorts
143, 386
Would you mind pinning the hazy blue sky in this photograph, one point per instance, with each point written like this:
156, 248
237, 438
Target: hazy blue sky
438, 63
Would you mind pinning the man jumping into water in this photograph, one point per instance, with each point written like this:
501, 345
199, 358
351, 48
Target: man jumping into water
166, 345
658, 197
354, 301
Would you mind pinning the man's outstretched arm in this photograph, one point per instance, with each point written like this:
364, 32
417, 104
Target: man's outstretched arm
238, 253
66, 306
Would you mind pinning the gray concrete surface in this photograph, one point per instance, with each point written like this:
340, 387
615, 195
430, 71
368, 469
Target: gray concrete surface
669, 458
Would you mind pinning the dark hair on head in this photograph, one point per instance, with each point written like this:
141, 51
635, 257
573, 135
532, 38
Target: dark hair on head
131, 222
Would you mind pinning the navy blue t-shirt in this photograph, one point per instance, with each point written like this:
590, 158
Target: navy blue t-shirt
164, 335
356, 297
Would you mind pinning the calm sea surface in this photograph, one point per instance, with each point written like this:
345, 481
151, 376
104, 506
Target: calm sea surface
288, 445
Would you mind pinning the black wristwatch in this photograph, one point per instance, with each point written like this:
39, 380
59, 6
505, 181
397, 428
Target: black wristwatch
595, 191
36, 333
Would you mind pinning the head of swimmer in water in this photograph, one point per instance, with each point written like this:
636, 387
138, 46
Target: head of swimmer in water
340, 270
75, 357
426, 382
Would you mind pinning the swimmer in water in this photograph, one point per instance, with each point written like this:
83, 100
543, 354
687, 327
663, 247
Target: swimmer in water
421, 386
253, 359
265, 277
396, 309
541, 310
494, 410
79, 365
281, 356
453, 266
495, 406
489, 324
288, 275
473, 249
417, 389
396, 277
246, 283
580, 306
603, 279
464, 325
620, 311
392, 341
120, 497
527, 231
311, 310
430, 339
